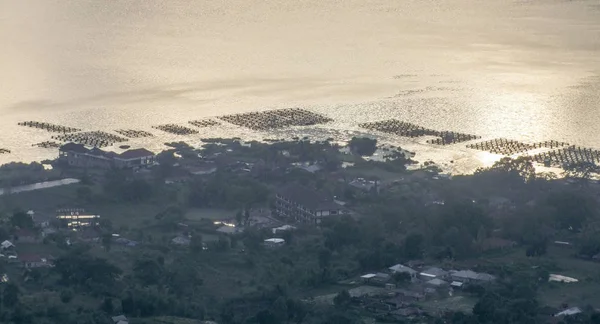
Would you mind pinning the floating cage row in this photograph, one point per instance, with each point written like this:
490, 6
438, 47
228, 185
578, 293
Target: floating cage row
567, 156
509, 147
204, 123
274, 119
501, 146
49, 127
400, 128
549, 144
176, 129
4, 151
95, 138
132, 133
47, 144
448, 138
405, 129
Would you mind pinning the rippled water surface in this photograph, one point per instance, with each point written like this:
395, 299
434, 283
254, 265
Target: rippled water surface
519, 69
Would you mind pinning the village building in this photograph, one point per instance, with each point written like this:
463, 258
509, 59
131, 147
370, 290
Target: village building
39, 220
226, 229
77, 218
274, 242
77, 155
436, 282
569, 312
304, 205
126, 242
6, 245
30, 261
399, 268
468, 276
363, 184
283, 228
433, 273
181, 240
121, 319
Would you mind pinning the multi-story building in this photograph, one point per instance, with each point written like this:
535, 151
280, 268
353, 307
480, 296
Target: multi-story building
304, 205
77, 218
78, 155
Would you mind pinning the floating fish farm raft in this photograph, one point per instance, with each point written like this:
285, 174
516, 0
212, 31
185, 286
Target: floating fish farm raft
405, 129
47, 144
568, 156
95, 138
274, 119
449, 138
501, 146
549, 144
176, 129
132, 133
49, 127
510, 147
204, 123
400, 128
4, 151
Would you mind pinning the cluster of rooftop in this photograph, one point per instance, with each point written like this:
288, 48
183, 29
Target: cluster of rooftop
78, 155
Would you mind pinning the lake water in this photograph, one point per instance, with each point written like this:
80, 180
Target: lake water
523, 69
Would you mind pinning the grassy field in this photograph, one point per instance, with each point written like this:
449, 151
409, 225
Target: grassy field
44, 199
454, 303
198, 214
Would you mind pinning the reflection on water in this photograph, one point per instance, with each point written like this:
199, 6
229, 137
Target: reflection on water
522, 70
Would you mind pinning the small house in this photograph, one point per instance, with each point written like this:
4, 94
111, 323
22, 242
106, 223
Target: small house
121, 319
126, 242
382, 278
6, 245
274, 242
436, 282
368, 277
181, 240
569, 312
468, 276
432, 273
456, 284
399, 268
283, 228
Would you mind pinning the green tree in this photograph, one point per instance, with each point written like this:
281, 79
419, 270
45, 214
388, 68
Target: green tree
363, 146
66, 296
84, 194
413, 246
324, 257
107, 306
21, 219
10, 294
280, 309
148, 270
107, 241
342, 299
196, 243
79, 268
239, 217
